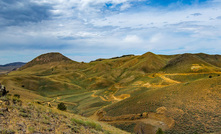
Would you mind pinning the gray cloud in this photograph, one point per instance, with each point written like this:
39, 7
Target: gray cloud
196, 14
14, 12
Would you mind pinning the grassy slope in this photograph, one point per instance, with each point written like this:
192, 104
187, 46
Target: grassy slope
183, 64
74, 82
25, 116
195, 106
212, 59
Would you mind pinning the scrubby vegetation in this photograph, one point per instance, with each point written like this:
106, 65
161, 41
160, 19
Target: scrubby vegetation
186, 87
61, 106
159, 131
30, 117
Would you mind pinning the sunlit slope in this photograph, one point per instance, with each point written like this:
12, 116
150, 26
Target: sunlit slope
31, 113
129, 84
212, 59
188, 63
46, 58
195, 106
53, 74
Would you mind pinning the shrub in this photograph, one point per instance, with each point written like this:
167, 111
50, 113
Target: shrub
89, 124
7, 131
24, 114
61, 106
107, 132
9, 95
159, 131
93, 125
17, 96
75, 129
78, 121
45, 121
16, 99
31, 129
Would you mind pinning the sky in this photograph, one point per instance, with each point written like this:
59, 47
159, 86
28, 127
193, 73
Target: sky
85, 30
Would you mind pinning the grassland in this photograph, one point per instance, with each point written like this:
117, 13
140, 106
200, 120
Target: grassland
186, 86
194, 106
20, 115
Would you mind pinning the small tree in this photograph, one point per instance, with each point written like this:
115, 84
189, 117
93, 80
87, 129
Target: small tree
159, 131
61, 106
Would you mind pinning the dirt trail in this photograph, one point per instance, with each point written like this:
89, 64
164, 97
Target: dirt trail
191, 73
57, 101
93, 95
168, 79
152, 122
95, 115
112, 96
155, 120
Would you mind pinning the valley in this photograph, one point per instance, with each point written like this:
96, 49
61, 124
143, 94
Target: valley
140, 94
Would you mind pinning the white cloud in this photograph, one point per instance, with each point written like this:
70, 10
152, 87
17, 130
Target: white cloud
88, 25
155, 38
132, 39
125, 6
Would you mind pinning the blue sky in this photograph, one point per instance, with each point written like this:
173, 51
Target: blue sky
85, 30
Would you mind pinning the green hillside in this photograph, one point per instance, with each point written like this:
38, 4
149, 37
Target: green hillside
178, 93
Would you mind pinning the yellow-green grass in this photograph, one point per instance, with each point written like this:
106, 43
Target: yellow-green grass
195, 106
191, 77
38, 118
85, 104
43, 85
76, 97
139, 76
183, 64
91, 103
141, 83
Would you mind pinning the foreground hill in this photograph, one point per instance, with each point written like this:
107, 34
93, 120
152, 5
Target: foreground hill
18, 115
194, 106
178, 93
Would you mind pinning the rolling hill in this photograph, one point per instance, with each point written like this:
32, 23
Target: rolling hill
178, 93
47, 58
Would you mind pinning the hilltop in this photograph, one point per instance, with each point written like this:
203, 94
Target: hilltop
47, 58
137, 93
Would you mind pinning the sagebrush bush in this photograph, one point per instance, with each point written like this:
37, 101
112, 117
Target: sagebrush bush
159, 131
17, 95
90, 124
61, 106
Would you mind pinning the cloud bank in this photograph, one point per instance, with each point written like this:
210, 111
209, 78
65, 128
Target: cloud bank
90, 29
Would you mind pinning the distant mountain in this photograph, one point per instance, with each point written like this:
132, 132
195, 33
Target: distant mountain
11, 66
